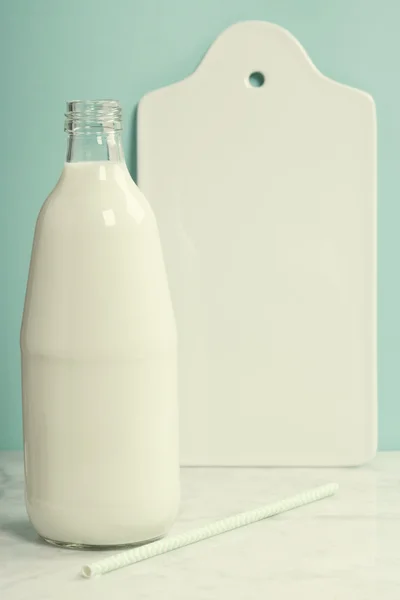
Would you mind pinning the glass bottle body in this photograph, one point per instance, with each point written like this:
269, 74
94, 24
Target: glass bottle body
98, 344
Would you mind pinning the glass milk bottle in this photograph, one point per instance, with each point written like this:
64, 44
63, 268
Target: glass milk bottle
98, 344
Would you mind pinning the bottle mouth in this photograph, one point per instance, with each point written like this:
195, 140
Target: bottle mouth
93, 116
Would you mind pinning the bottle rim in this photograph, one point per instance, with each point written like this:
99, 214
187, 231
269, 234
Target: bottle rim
90, 116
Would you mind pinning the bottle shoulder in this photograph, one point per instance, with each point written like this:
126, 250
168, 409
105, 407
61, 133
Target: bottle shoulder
98, 191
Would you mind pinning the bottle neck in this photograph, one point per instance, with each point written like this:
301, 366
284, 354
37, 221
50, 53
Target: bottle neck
94, 147
94, 131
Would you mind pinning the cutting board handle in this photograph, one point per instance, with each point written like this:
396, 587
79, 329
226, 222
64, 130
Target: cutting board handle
240, 51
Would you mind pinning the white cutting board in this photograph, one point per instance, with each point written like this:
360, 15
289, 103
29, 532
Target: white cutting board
266, 203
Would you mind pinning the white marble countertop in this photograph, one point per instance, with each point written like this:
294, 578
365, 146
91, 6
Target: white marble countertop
342, 548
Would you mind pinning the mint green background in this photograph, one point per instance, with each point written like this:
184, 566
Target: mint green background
51, 51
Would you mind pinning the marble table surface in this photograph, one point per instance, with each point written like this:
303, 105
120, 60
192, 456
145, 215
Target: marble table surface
342, 548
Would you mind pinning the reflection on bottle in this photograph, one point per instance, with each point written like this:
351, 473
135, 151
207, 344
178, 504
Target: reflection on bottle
109, 217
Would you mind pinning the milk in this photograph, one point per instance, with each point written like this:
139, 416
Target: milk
98, 344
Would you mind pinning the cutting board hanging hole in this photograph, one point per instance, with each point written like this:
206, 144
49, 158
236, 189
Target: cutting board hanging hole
256, 79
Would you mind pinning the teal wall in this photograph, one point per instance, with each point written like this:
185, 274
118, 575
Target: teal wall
52, 50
